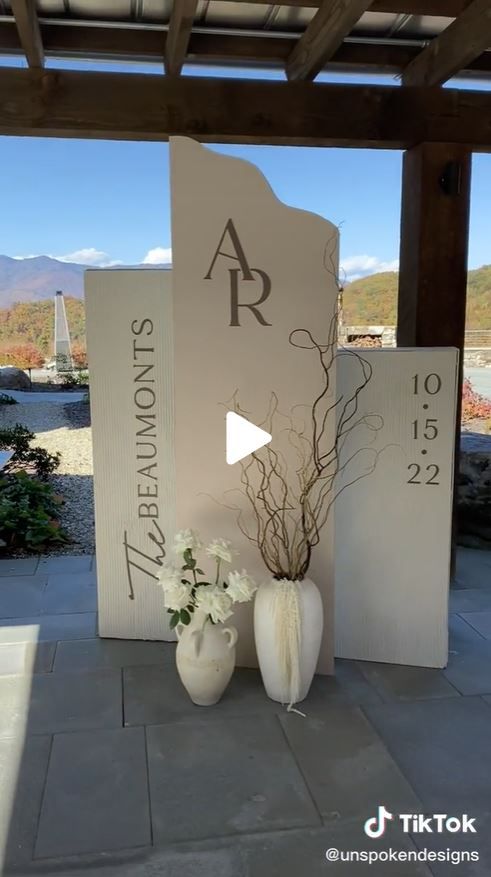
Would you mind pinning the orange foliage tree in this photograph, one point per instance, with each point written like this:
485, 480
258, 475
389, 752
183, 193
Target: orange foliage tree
25, 356
79, 354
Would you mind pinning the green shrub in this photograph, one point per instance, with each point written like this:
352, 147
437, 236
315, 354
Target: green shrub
5, 399
37, 460
75, 379
29, 513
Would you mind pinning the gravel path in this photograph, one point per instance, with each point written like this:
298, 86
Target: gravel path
64, 428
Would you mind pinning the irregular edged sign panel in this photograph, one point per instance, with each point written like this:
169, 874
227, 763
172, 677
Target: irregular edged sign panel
247, 272
393, 529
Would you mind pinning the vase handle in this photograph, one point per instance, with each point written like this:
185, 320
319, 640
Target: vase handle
233, 636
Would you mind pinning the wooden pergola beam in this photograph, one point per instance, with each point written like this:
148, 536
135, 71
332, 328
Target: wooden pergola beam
146, 45
459, 44
177, 40
125, 106
333, 21
27, 24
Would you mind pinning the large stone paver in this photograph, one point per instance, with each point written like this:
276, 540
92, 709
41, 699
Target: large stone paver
473, 568
208, 859
443, 747
67, 563
347, 686
232, 776
23, 769
21, 595
69, 593
470, 671
60, 702
18, 566
469, 660
469, 599
395, 682
154, 695
461, 846
49, 628
90, 654
462, 635
75, 701
96, 796
480, 621
304, 853
346, 766
24, 659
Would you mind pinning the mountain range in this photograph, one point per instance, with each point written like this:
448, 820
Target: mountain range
38, 278
371, 299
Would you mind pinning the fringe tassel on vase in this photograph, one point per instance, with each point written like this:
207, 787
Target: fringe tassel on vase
287, 623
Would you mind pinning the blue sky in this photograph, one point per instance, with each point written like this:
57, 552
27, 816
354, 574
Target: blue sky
101, 202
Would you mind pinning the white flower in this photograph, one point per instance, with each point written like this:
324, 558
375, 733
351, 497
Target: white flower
177, 597
241, 587
221, 549
214, 601
187, 539
168, 576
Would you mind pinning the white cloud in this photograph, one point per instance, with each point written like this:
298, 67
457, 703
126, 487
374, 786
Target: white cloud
355, 267
158, 256
89, 256
86, 256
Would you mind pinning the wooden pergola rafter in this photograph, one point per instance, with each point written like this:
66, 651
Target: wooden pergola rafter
27, 24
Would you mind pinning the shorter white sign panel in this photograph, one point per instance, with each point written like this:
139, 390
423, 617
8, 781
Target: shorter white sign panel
129, 334
393, 527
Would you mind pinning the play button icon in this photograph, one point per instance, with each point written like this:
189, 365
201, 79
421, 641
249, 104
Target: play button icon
243, 438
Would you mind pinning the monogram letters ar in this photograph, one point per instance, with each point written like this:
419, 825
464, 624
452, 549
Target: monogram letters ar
249, 274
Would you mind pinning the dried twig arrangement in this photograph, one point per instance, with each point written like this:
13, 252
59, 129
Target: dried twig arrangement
290, 503
289, 508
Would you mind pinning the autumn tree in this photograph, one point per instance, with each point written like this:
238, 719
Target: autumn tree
25, 356
79, 354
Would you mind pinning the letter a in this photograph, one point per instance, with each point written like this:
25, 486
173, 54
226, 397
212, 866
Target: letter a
239, 257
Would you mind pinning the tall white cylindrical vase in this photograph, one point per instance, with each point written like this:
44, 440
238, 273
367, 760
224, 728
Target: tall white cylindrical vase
288, 625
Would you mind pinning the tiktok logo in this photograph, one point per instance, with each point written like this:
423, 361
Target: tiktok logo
375, 826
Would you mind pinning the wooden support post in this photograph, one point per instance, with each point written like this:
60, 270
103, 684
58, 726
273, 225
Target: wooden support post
433, 255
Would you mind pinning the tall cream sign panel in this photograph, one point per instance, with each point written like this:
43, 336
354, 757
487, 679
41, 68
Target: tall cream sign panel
129, 340
247, 272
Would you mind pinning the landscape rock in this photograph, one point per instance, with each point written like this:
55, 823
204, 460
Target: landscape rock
13, 379
474, 490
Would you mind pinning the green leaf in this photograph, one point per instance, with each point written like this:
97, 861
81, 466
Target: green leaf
185, 582
174, 620
188, 555
199, 571
185, 616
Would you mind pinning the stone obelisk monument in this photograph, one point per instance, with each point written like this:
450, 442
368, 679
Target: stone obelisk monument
63, 351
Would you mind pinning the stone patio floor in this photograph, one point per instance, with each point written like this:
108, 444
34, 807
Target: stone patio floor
107, 768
